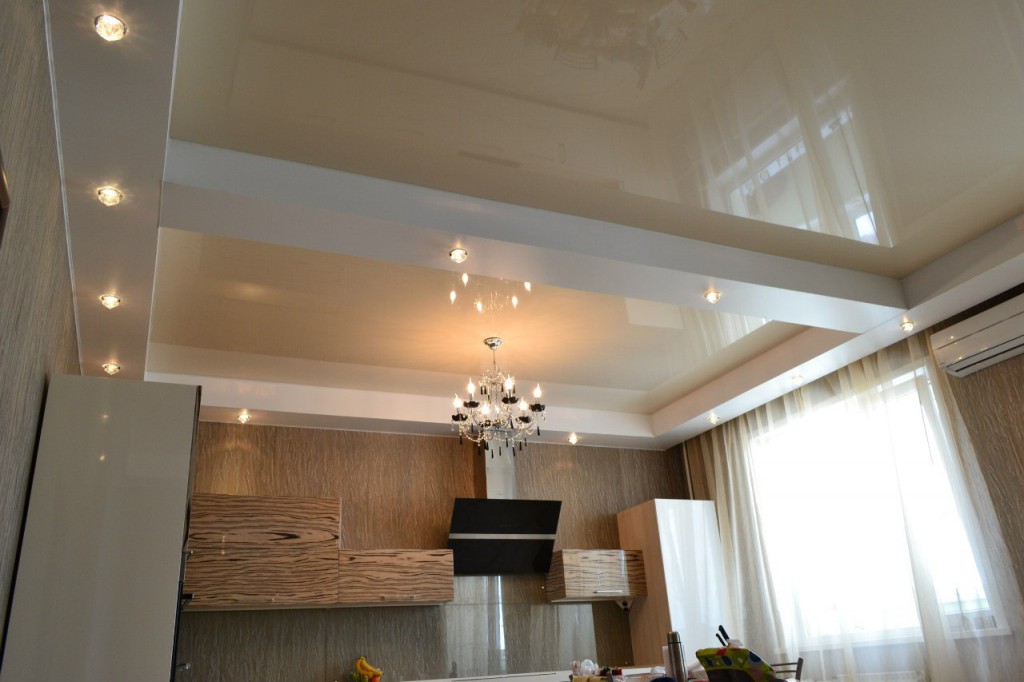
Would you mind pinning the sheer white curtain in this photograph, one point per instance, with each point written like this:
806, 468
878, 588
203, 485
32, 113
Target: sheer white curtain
858, 532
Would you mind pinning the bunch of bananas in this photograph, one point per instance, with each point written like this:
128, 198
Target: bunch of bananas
362, 671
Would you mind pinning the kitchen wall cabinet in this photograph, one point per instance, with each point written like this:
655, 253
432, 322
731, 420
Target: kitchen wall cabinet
395, 577
249, 552
97, 588
595, 575
262, 552
684, 570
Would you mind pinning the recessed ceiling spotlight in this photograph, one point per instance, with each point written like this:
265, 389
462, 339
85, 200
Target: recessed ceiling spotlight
109, 196
111, 368
714, 418
907, 326
110, 28
797, 379
244, 417
110, 301
573, 438
712, 295
458, 255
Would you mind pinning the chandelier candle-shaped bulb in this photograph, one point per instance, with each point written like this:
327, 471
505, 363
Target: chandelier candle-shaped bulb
465, 279
456, 403
471, 388
485, 409
527, 286
537, 392
479, 305
515, 301
523, 405
451, 296
510, 384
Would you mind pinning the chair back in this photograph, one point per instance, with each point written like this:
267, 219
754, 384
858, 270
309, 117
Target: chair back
790, 670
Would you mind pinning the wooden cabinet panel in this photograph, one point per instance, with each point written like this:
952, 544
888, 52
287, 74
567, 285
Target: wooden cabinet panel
595, 575
238, 521
262, 578
262, 552
391, 577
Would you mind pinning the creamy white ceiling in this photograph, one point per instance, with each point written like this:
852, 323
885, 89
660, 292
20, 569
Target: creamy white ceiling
326, 156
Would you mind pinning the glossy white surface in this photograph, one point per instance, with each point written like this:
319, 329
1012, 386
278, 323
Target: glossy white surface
684, 570
691, 551
835, 165
95, 597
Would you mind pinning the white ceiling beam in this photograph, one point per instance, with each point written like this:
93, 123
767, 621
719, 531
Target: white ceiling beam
361, 410
112, 103
229, 193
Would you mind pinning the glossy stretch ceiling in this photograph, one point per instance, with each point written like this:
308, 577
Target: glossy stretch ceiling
833, 167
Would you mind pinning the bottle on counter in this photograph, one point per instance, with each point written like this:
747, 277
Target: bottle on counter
677, 668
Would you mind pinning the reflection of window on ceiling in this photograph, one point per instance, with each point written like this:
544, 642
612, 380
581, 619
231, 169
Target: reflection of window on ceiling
788, 165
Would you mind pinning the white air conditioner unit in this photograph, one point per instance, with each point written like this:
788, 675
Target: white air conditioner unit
982, 340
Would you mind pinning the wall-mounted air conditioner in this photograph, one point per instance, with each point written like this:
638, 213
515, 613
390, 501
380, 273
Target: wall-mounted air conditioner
982, 340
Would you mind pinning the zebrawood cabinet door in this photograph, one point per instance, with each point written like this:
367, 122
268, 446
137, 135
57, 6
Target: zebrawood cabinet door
262, 578
394, 577
595, 575
262, 552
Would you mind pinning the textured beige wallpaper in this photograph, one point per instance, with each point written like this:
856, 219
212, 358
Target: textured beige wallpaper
37, 328
991, 402
396, 492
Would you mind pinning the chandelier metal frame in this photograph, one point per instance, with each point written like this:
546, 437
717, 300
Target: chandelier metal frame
497, 418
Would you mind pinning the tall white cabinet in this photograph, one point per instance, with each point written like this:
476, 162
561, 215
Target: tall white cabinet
683, 562
96, 594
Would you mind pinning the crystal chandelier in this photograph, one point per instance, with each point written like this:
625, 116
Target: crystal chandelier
496, 418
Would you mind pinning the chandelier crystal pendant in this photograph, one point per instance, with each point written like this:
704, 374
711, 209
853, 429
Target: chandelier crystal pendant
494, 417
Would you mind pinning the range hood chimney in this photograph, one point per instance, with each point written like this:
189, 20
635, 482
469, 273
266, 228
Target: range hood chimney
501, 534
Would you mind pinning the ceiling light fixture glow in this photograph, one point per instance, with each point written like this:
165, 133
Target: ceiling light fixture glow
111, 368
109, 196
110, 301
714, 418
573, 438
907, 326
110, 28
712, 295
497, 418
244, 417
458, 255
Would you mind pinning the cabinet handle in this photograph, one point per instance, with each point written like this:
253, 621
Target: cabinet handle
183, 668
609, 591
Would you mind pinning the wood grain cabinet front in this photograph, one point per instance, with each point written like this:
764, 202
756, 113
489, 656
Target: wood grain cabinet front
262, 552
595, 575
395, 577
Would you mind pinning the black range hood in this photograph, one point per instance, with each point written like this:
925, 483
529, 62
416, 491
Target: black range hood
497, 537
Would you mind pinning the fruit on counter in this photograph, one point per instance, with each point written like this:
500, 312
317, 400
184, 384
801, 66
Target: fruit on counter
365, 671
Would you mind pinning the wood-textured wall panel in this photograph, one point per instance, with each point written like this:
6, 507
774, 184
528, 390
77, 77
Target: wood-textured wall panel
991, 402
395, 490
37, 324
242, 521
396, 576
594, 484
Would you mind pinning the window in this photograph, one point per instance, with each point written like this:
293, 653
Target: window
859, 516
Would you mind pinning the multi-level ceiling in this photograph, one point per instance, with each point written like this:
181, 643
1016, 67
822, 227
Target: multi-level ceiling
296, 173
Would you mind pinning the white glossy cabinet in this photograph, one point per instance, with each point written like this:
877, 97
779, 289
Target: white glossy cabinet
97, 587
683, 565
